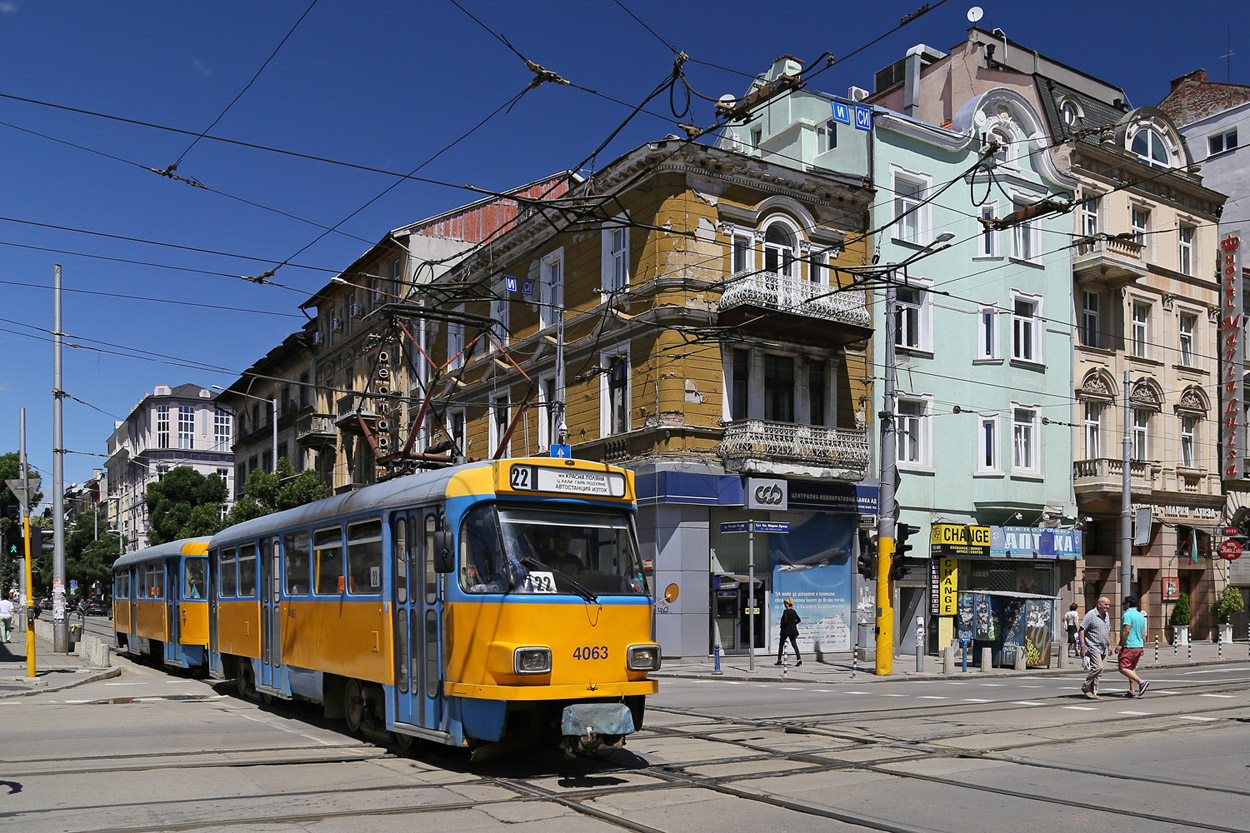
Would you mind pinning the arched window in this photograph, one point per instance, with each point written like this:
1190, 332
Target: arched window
780, 250
1003, 155
1149, 146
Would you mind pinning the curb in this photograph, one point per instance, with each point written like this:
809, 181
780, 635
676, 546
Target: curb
867, 673
93, 677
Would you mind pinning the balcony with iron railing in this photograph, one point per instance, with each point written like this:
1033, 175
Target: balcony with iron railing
1109, 261
351, 409
773, 301
315, 430
757, 446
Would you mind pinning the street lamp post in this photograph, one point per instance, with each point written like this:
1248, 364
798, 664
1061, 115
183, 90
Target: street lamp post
274, 421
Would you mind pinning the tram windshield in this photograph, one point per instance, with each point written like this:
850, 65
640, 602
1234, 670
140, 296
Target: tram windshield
587, 554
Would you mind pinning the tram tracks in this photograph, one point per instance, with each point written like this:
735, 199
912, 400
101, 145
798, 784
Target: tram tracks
585, 786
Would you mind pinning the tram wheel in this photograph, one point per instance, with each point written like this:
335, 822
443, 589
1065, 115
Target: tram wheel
245, 681
403, 742
353, 706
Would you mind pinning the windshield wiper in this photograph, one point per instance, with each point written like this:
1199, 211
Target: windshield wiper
574, 585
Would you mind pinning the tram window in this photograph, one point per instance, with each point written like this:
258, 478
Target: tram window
193, 580
431, 577
364, 557
152, 582
481, 558
121, 586
328, 552
229, 580
296, 567
247, 570
576, 552
399, 546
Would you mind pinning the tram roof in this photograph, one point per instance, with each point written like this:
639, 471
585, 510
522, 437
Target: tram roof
402, 491
164, 550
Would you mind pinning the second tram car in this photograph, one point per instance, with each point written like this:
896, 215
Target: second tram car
476, 604
160, 603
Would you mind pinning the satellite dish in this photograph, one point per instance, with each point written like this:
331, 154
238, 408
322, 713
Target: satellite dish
974, 14
728, 100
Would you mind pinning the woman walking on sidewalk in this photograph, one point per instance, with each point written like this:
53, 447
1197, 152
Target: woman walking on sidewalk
789, 629
1070, 620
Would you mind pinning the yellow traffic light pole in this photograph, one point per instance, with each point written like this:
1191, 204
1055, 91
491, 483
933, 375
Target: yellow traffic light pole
885, 607
30, 596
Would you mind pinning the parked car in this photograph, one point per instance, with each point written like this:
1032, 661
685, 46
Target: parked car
95, 607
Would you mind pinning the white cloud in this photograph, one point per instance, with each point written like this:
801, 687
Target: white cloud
200, 69
7, 7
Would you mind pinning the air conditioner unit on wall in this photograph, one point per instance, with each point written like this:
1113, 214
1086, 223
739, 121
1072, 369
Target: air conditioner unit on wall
336, 324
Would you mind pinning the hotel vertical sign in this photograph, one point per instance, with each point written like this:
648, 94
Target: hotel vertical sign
1232, 360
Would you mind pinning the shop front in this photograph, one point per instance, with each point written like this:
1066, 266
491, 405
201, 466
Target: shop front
1019, 562
706, 534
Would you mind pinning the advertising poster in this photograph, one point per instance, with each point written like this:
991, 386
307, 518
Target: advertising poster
812, 565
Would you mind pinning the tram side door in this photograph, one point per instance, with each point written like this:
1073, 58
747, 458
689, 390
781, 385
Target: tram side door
170, 585
270, 612
417, 622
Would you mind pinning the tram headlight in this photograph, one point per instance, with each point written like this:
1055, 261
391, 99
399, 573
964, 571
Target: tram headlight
644, 658
531, 660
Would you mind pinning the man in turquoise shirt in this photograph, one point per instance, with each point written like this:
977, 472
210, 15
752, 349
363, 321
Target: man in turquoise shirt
1132, 643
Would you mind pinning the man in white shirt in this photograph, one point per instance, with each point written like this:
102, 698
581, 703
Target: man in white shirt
6, 618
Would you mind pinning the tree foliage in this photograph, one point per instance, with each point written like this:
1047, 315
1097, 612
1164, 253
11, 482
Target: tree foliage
90, 550
264, 493
184, 504
1228, 605
1180, 611
11, 469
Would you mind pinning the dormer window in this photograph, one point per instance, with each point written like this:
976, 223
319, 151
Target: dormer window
1148, 145
1070, 112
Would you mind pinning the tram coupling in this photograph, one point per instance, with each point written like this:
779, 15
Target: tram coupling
585, 727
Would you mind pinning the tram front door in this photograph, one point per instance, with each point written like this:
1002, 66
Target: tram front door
418, 689
270, 613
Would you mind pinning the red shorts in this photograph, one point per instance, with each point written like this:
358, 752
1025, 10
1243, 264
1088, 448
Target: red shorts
1129, 657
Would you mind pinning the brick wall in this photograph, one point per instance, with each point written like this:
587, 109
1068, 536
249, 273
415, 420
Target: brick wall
1193, 97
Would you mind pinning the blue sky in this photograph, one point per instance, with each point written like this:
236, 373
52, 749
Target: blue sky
385, 85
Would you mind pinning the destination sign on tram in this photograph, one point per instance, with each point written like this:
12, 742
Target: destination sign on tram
567, 481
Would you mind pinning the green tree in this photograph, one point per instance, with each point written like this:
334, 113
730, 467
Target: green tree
11, 469
1180, 611
184, 504
264, 493
90, 550
1228, 605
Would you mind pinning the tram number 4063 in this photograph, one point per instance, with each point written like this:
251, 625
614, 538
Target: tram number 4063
598, 652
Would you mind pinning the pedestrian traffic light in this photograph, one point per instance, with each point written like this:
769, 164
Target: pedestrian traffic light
866, 562
901, 547
14, 547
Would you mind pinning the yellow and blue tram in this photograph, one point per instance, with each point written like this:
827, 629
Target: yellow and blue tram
475, 604
160, 603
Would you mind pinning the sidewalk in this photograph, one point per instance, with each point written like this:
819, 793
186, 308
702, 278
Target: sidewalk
53, 671
839, 668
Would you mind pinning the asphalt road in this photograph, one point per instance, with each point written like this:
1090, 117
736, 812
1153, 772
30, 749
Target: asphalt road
150, 751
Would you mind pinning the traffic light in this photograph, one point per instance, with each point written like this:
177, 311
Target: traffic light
14, 547
866, 562
901, 547
898, 569
36, 542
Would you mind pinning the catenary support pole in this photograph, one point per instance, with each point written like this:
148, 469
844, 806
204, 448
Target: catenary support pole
751, 592
887, 504
60, 627
1126, 499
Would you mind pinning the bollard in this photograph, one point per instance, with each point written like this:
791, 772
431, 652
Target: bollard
948, 660
785, 666
1219, 645
1156, 647
854, 662
716, 660
919, 643
986, 660
1189, 651
1063, 658
1019, 664
964, 643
